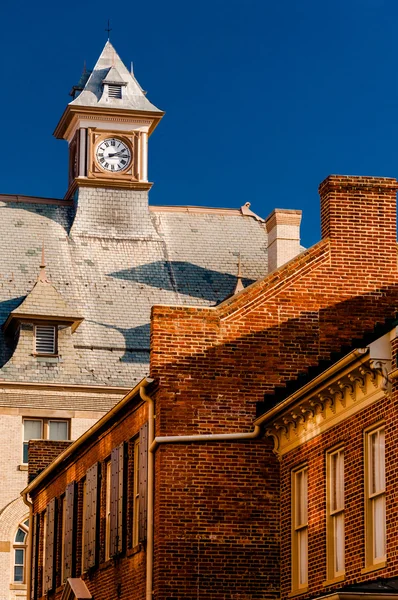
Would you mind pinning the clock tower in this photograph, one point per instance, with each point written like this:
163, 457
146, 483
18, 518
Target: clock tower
107, 126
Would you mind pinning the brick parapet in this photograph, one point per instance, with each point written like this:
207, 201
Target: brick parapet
358, 214
41, 453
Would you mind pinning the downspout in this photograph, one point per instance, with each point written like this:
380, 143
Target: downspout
29, 552
153, 443
151, 469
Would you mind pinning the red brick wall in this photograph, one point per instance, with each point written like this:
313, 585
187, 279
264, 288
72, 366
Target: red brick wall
41, 453
350, 435
124, 577
214, 365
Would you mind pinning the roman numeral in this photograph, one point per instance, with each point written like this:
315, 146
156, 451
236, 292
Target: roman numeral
106, 144
113, 143
112, 167
106, 165
123, 162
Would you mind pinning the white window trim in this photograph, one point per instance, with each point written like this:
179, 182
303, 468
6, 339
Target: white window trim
20, 546
334, 483
45, 430
299, 539
371, 496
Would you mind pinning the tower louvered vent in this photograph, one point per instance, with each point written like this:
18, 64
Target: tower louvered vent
45, 339
114, 91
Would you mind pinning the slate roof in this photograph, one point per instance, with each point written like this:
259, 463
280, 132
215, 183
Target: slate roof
110, 66
113, 284
44, 300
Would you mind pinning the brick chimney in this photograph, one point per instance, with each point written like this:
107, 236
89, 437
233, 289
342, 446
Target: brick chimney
283, 228
358, 215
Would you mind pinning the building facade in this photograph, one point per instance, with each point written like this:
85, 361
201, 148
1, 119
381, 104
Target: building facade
79, 276
269, 469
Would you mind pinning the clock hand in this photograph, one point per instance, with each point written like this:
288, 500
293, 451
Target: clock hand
117, 154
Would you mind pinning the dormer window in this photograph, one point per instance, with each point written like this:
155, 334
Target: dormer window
114, 91
45, 339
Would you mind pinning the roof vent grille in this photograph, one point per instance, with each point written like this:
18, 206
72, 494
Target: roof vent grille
45, 339
114, 91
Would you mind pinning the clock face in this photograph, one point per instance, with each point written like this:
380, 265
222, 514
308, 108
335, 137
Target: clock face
113, 155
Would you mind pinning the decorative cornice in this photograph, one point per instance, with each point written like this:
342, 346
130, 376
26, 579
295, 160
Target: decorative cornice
93, 112
324, 407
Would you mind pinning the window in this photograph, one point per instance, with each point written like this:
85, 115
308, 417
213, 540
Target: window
20, 544
43, 429
136, 493
300, 528
335, 514
375, 497
45, 339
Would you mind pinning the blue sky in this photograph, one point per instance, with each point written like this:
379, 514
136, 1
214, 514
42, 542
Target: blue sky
263, 98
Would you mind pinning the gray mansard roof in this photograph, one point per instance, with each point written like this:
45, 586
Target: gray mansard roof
112, 284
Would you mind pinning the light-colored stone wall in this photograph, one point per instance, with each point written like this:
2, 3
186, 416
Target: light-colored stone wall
112, 213
13, 511
283, 227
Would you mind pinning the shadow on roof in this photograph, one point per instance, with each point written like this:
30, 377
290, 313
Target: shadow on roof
63, 215
183, 278
137, 340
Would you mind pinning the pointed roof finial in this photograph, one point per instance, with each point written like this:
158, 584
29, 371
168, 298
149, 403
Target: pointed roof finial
108, 29
42, 275
239, 284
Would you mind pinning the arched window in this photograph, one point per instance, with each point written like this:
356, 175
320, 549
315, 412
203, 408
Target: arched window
20, 544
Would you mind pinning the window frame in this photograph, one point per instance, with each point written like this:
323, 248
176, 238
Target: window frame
371, 497
299, 529
37, 352
20, 546
335, 483
45, 431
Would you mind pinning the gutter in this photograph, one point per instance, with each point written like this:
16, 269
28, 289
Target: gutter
153, 443
28, 574
338, 366
144, 383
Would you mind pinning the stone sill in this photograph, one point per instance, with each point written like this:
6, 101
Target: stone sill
23, 467
333, 580
18, 586
375, 567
